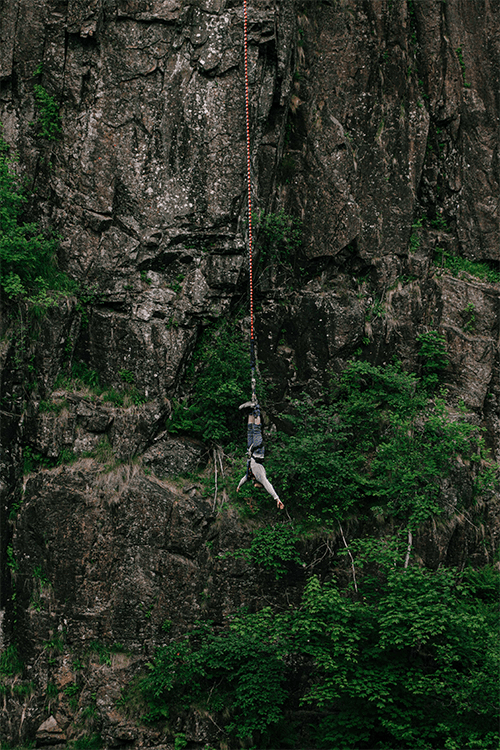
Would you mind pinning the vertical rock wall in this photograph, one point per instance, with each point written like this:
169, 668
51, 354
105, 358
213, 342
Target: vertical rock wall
377, 124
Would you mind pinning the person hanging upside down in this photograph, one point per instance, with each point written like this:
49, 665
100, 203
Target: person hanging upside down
255, 470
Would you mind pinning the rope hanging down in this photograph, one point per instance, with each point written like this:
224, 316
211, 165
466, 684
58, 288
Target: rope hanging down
255, 444
249, 191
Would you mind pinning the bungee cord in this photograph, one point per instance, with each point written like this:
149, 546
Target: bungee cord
249, 199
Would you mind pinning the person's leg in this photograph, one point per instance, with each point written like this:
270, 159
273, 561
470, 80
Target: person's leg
255, 425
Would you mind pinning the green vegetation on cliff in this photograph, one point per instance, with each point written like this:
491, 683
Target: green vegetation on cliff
221, 377
28, 255
400, 656
377, 442
407, 659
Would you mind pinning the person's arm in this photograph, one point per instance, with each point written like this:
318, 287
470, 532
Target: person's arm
242, 481
260, 475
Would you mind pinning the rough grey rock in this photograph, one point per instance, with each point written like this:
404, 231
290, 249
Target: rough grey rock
174, 456
78, 424
49, 733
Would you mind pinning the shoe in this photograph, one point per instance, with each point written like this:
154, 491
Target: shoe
248, 405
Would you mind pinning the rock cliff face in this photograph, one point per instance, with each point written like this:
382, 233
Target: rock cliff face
376, 123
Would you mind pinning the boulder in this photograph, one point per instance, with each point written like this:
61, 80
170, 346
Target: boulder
49, 733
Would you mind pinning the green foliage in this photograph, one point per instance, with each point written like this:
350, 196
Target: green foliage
273, 548
23, 689
439, 222
52, 406
11, 563
412, 663
126, 376
41, 576
51, 691
66, 456
81, 373
10, 663
72, 690
56, 643
180, 741
28, 259
114, 397
409, 662
462, 66
458, 266
31, 460
220, 383
433, 352
279, 237
82, 377
469, 315
237, 672
415, 241
103, 652
379, 443
24, 746
49, 119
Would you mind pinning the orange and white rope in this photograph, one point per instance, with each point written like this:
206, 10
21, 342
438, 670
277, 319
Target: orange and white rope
249, 176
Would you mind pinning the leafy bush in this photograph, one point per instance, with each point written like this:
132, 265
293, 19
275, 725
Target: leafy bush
28, 259
273, 548
32, 461
409, 662
378, 443
238, 671
220, 379
279, 237
49, 119
433, 352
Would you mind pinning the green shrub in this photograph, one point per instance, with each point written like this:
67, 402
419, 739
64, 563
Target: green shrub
279, 237
433, 353
28, 261
409, 662
32, 461
378, 444
273, 548
220, 382
238, 671
49, 119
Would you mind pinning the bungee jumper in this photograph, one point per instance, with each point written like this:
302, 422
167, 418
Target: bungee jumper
255, 443
255, 469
